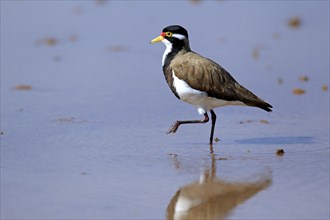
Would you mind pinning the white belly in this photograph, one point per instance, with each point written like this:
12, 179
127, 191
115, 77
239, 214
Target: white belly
199, 98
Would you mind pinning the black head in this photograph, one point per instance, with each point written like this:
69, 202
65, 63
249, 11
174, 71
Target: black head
175, 29
174, 36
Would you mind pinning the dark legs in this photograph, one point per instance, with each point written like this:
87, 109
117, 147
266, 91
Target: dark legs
176, 124
213, 118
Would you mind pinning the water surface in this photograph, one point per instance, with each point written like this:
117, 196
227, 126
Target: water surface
85, 110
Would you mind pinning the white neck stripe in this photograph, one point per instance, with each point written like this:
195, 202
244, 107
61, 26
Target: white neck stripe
167, 51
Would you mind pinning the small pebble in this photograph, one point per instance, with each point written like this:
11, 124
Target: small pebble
303, 78
100, 2
73, 38
255, 53
116, 48
279, 152
298, 91
247, 121
195, 1
23, 87
280, 81
294, 22
51, 41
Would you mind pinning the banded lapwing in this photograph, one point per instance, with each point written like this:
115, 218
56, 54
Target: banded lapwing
200, 81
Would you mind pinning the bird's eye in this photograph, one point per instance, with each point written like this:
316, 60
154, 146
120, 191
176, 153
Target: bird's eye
168, 34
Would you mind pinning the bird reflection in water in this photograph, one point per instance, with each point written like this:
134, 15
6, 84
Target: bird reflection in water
211, 197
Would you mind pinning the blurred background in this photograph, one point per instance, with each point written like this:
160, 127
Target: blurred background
85, 107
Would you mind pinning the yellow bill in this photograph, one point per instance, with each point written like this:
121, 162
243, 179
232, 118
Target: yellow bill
157, 39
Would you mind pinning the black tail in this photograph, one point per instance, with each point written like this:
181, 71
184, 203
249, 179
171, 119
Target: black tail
260, 104
250, 99
265, 106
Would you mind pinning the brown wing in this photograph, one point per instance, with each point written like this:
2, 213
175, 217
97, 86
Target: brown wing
205, 75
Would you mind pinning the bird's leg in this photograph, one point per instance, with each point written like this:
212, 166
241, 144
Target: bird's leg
211, 149
213, 118
176, 124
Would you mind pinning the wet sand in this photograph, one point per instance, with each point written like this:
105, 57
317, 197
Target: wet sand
85, 110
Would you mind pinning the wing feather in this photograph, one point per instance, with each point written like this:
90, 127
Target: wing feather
205, 75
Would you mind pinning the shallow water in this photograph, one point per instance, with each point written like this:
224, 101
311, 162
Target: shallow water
88, 139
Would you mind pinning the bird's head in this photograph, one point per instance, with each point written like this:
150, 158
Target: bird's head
173, 35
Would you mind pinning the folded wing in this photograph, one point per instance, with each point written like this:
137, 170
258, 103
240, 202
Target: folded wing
205, 75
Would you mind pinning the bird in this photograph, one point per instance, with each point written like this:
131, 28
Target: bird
200, 81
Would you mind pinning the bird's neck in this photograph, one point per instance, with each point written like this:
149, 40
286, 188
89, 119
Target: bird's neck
172, 50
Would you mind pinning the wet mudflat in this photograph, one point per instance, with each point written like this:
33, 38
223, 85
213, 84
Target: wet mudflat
85, 110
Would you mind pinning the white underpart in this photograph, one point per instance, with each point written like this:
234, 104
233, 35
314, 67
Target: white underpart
167, 51
183, 205
192, 96
198, 98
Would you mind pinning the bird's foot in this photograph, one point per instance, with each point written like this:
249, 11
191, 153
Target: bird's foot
211, 149
174, 127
